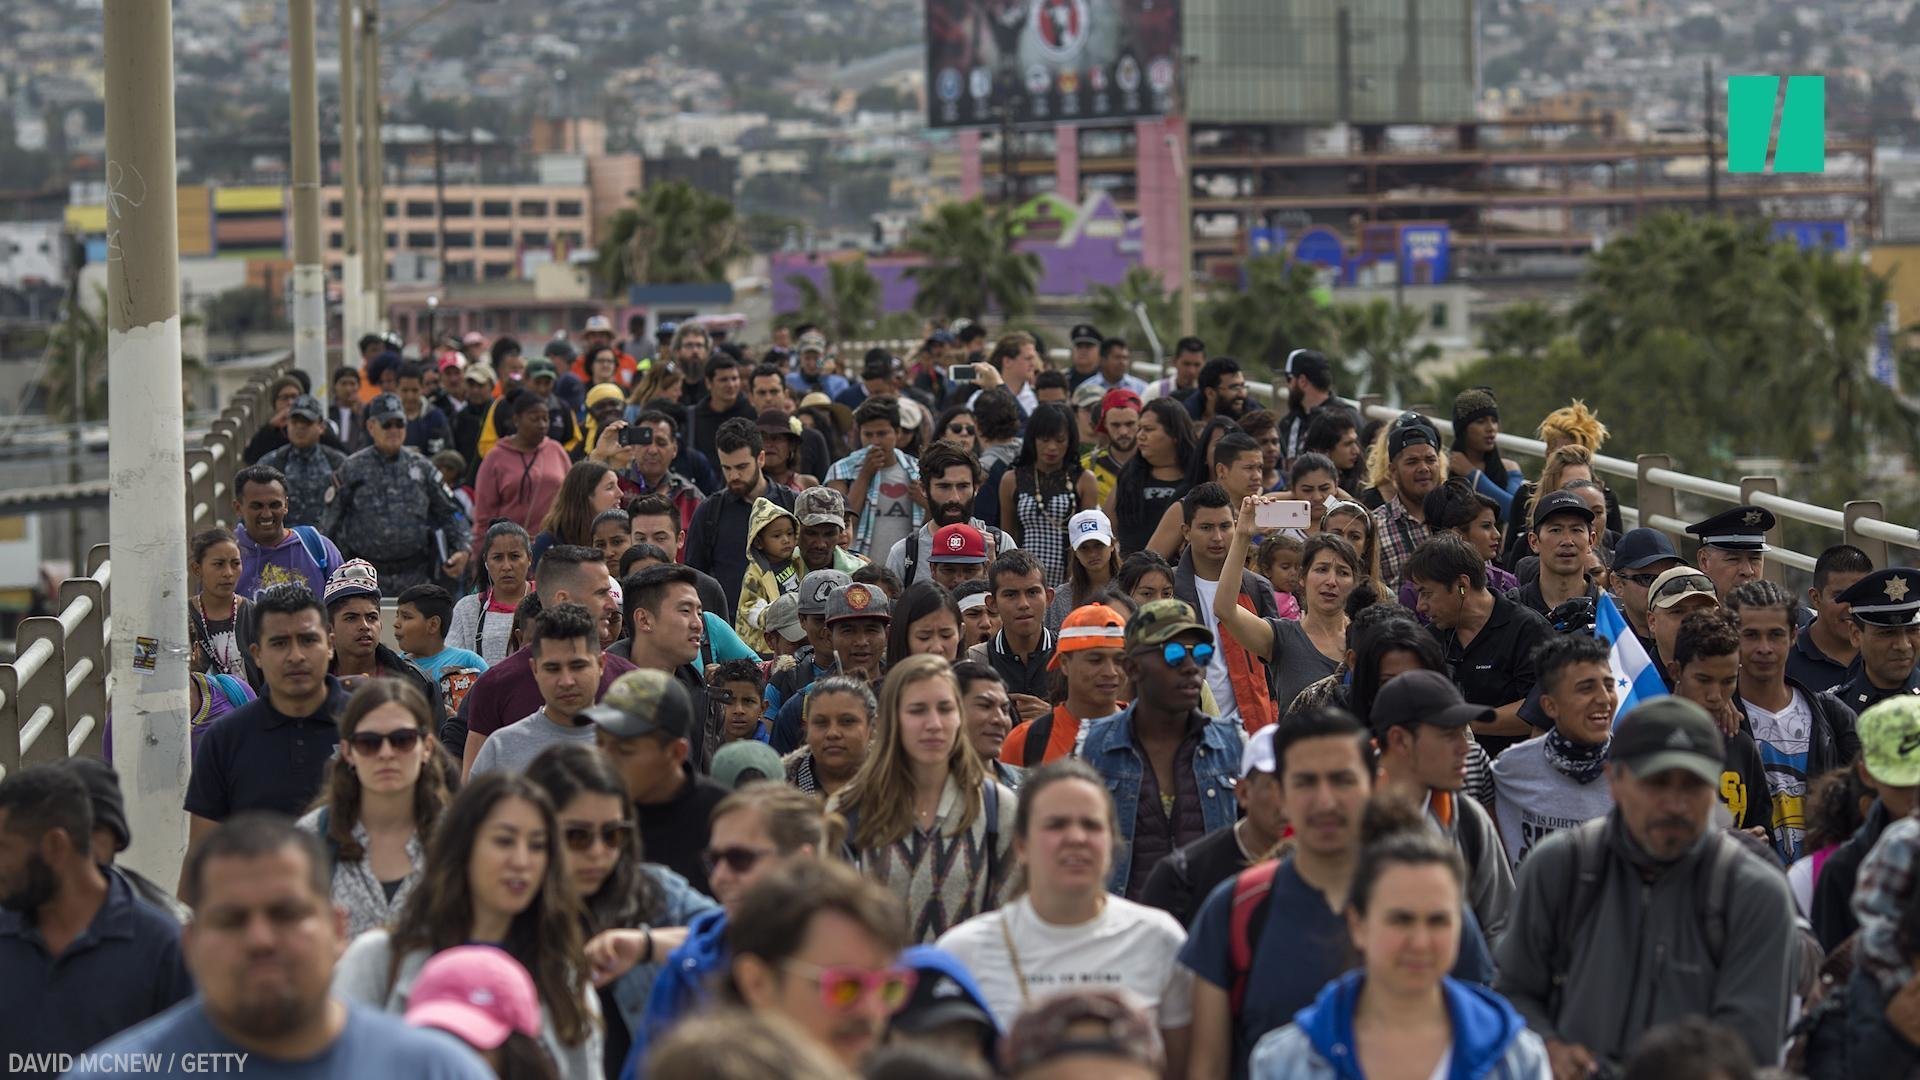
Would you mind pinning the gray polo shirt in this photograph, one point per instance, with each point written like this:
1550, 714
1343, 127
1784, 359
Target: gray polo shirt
512, 747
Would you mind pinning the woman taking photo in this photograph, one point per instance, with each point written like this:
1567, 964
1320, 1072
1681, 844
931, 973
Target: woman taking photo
1045, 488
591, 487
491, 879
922, 816
483, 620
1064, 929
925, 621
1400, 1014
385, 792
1299, 652
838, 713
1096, 564
635, 911
220, 624
1156, 478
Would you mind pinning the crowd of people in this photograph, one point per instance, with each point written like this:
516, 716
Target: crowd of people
685, 708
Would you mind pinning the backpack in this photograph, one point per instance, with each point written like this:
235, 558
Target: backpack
1245, 920
316, 546
1039, 734
913, 556
1589, 877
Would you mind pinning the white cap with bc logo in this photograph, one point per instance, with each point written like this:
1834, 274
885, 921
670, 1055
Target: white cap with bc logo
1090, 525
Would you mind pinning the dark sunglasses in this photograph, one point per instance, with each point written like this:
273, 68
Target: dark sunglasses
738, 859
369, 742
613, 834
392, 425
962, 429
1642, 580
1697, 583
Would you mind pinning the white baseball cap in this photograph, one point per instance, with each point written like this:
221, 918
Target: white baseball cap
598, 324
1258, 756
1090, 525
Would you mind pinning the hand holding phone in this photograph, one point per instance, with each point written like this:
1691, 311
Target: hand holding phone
961, 373
1282, 514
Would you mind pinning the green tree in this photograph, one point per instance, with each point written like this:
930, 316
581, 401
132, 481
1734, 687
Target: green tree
248, 309
1114, 308
1377, 339
1523, 330
671, 234
971, 266
850, 304
77, 348
1276, 311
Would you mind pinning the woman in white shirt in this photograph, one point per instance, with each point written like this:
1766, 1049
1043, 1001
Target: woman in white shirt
1065, 932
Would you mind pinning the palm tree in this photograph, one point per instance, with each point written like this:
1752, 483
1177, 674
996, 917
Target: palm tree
77, 348
1378, 337
849, 305
971, 265
673, 233
1277, 311
1523, 330
1115, 308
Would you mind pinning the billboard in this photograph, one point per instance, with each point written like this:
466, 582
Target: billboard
1050, 60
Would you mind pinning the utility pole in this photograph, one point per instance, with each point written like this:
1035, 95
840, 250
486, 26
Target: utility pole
352, 319
375, 218
309, 276
1713, 154
1180, 142
148, 649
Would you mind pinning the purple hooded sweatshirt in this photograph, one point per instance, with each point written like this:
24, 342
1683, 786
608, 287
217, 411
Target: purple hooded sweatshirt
289, 560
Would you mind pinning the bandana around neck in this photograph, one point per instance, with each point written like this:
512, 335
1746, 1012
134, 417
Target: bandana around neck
1580, 763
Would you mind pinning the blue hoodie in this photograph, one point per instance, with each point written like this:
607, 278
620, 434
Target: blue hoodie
683, 985
1490, 1040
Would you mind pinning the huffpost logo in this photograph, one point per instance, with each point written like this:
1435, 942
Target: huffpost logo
1803, 124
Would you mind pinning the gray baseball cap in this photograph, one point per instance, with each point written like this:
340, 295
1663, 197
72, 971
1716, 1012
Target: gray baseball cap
817, 586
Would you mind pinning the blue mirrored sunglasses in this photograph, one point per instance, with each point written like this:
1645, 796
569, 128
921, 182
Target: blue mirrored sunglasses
1175, 653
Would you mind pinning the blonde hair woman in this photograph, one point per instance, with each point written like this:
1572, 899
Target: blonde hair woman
1573, 423
923, 817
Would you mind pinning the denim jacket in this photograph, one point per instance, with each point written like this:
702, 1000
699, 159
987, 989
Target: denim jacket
1107, 745
679, 903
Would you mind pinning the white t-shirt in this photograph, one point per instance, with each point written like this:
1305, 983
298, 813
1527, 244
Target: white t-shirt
1532, 799
1782, 738
891, 496
1217, 676
1130, 947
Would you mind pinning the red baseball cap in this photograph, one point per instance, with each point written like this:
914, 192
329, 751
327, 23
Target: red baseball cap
958, 544
1121, 398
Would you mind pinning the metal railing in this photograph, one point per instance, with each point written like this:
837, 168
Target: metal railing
54, 695
1661, 488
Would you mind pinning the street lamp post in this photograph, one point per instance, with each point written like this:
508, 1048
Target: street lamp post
309, 278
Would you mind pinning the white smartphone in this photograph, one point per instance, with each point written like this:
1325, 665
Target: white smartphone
1282, 514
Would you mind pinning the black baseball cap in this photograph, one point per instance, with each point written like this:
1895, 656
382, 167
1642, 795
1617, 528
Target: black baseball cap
1307, 362
1560, 502
1643, 547
1424, 697
1085, 334
1669, 732
1410, 429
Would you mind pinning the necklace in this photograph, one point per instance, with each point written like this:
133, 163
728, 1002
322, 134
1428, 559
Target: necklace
226, 659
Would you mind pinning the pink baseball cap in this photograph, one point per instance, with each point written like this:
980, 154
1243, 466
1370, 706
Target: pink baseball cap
476, 992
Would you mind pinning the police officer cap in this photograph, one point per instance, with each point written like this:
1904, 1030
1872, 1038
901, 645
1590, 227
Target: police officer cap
1743, 528
1886, 597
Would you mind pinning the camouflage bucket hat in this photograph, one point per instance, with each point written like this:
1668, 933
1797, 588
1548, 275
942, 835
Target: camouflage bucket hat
1160, 621
642, 703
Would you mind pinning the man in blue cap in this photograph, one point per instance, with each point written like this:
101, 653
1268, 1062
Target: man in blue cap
1641, 556
1886, 629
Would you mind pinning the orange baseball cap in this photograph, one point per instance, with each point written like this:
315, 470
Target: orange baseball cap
1091, 626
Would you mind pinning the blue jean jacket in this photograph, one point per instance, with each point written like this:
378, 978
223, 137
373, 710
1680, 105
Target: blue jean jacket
1108, 747
679, 903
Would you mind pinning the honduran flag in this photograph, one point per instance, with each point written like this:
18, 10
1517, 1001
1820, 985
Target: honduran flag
1634, 677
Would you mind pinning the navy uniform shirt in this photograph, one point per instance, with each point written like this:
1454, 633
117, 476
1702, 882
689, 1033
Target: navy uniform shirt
1810, 667
256, 758
1859, 694
309, 474
123, 968
386, 510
